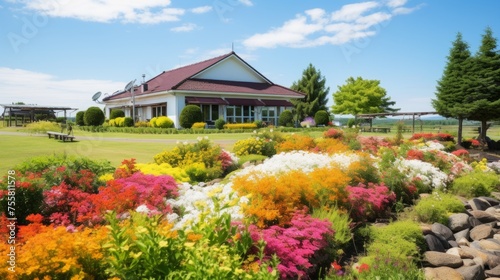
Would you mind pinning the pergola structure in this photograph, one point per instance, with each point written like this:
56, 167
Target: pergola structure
27, 112
415, 115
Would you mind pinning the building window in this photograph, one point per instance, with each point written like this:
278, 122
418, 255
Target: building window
270, 115
157, 111
239, 114
210, 112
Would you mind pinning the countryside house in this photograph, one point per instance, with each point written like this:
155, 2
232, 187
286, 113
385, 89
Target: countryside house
224, 87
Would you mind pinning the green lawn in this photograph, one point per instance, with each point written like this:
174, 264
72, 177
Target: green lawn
114, 147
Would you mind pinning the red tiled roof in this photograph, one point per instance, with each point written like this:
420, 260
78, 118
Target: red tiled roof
179, 79
237, 87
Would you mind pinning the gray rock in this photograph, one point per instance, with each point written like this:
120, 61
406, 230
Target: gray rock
443, 230
469, 262
463, 242
479, 261
437, 259
454, 251
453, 243
489, 244
495, 272
458, 222
442, 273
481, 232
479, 204
475, 272
462, 234
474, 222
434, 243
483, 216
492, 201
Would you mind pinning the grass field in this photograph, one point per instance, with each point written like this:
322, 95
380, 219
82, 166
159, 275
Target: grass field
18, 146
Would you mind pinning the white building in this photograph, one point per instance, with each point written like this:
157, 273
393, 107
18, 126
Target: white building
224, 87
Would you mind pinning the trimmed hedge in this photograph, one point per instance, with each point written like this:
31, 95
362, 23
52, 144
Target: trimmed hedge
94, 116
116, 113
190, 115
240, 126
164, 122
198, 125
79, 118
321, 117
286, 118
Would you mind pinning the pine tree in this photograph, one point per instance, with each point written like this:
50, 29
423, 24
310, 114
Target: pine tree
453, 87
312, 84
484, 100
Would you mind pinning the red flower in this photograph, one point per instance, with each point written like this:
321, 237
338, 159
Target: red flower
363, 267
336, 266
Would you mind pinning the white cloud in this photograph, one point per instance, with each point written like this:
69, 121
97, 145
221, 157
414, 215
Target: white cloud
201, 10
351, 12
127, 11
47, 90
396, 3
184, 28
318, 27
246, 2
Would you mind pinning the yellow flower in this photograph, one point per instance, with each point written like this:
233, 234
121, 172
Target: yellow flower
163, 244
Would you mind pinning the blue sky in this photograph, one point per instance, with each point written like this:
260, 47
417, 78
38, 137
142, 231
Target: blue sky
60, 52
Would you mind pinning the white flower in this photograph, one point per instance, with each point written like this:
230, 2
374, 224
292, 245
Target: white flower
142, 209
429, 174
271, 130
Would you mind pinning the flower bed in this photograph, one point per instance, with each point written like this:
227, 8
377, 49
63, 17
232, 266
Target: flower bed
194, 213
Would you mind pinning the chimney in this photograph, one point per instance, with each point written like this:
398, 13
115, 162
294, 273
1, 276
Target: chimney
144, 86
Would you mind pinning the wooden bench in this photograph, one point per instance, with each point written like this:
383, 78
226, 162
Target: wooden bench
60, 136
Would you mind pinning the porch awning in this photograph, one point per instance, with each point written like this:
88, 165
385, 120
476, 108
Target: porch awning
244, 102
205, 100
270, 102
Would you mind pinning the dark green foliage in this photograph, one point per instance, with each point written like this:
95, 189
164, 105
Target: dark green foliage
452, 89
94, 116
312, 84
79, 118
128, 122
484, 99
219, 123
189, 115
116, 113
286, 118
322, 117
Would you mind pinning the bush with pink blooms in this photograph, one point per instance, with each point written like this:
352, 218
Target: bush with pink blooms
301, 247
370, 201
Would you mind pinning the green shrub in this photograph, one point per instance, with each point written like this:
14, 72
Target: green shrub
94, 116
219, 123
477, 183
164, 122
116, 113
189, 115
437, 207
341, 224
286, 118
128, 122
79, 118
321, 117
394, 249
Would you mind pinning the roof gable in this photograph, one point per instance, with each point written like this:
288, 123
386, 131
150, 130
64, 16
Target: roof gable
232, 68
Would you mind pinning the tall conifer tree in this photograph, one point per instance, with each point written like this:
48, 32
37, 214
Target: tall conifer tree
312, 84
453, 87
484, 100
